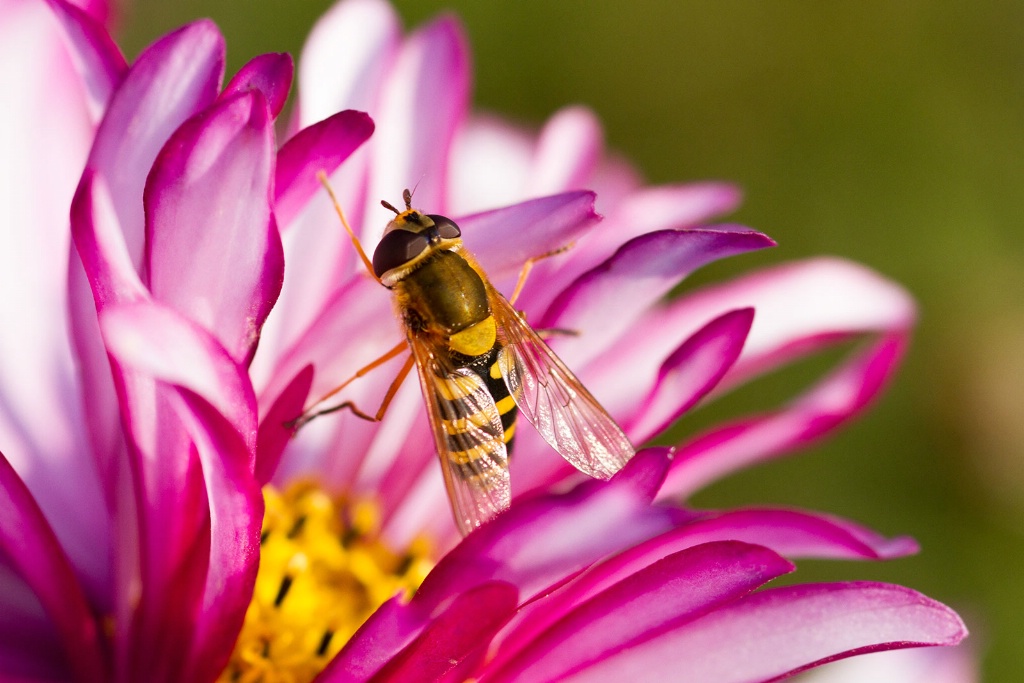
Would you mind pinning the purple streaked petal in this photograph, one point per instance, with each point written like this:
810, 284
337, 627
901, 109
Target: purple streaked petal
802, 306
688, 374
541, 540
274, 433
786, 630
170, 81
833, 401
209, 226
637, 212
269, 74
345, 58
319, 147
32, 548
97, 58
641, 272
797, 534
503, 239
567, 152
460, 633
671, 591
415, 125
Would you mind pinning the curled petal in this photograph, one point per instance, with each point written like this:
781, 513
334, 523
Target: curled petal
274, 433
170, 81
209, 226
97, 58
319, 147
786, 630
641, 272
541, 540
269, 74
671, 591
833, 401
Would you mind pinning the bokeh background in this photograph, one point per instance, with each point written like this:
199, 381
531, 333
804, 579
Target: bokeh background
887, 132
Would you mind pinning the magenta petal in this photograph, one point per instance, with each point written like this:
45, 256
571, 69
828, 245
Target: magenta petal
691, 372
425, 98
503, 239
97, 58
527, 544
796, 533
674, 590
833, 401
28, 542
462, 630
188, 406
786, 630
641, 272
319, 147
394, 625
274, 433
213, 250
269, 74
170, 81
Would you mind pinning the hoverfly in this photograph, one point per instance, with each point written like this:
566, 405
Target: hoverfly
480, 365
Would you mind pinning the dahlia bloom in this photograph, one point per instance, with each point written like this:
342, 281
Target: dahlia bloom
139, 419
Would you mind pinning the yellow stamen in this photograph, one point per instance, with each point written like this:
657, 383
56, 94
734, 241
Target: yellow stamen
323, 572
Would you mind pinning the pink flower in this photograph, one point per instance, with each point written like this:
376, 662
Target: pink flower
143, 402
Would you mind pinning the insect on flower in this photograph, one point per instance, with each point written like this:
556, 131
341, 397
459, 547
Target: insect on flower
480, 365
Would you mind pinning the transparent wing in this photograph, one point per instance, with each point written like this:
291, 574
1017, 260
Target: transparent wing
468, 436
561, 409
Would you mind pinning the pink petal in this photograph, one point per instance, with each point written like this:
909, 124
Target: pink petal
786, 630
530, 546
920, 665
796, 533
476, 183
635, 277
187, 405
49, 123
96, 57
29, 544
269, 74
672, 591
274, 433
833, 401
345, 58
322, 146
213, 251
688, 374
394, 625
503, 239
170, 81
424, 99
568, 149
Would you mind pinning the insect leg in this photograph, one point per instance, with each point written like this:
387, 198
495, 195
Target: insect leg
392, 390
528, 266
322, 177
309, 413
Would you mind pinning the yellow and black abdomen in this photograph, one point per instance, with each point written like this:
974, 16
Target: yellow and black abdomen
445, 299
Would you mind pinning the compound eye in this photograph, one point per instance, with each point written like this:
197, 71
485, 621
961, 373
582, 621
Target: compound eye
446, 227
397, 248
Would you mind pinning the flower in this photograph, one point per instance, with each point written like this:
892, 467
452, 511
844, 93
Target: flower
149, 402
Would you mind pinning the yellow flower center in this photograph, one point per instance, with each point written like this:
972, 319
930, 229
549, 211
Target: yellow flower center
323, 572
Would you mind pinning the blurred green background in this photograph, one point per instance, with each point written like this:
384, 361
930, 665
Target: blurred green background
891, 133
